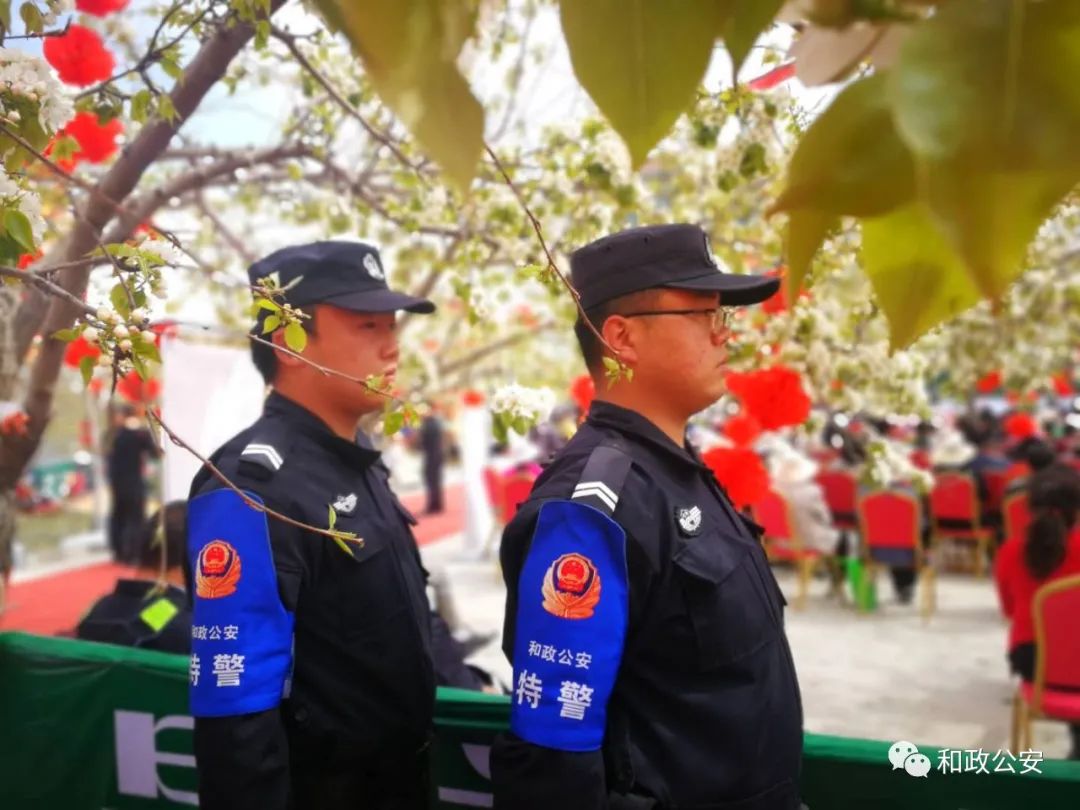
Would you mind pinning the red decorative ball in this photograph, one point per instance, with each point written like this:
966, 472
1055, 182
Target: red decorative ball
97, 141
773, 396
79, 56
101, 8
741, 472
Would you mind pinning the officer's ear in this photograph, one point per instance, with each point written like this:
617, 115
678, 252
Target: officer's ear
620, 334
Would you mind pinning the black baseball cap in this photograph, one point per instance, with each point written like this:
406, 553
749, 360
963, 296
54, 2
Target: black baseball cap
348, 275
676, 256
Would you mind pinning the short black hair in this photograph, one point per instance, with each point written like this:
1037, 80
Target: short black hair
174, 539
265, 357
592, 350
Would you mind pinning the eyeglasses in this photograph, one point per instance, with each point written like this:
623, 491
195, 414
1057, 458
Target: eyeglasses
721, 316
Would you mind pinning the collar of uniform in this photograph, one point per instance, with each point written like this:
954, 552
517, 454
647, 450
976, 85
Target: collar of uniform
634, 424
311, 425
141, 588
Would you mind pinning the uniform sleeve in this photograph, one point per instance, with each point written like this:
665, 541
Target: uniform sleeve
565, 625
246, 574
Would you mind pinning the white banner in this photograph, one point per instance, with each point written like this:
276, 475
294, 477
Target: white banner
208, 395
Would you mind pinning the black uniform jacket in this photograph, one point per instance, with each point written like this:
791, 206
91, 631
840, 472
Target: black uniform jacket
362, 685
705, 712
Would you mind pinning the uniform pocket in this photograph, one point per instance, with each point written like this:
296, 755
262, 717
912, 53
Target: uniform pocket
730, 616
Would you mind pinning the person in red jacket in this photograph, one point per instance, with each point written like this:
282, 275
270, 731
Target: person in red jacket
1051, 550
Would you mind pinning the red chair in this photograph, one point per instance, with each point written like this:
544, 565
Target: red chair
783, 542
493, 483
956, 516
1016, 515
890, 523
516, 489
841, 492
1054, 694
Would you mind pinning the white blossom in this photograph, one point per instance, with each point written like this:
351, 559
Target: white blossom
164, 249
519, 402
28, 76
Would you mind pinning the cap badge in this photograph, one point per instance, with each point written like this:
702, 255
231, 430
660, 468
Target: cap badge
345, 503
371, 264
689, 520
571, 587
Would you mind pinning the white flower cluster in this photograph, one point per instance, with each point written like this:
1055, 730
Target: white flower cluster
518, 402
888, 464
30, 77
11, 193
56, 9
164, 249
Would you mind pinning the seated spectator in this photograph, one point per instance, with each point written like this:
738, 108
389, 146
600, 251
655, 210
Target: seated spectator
145, 612
1050, 551
1031, 456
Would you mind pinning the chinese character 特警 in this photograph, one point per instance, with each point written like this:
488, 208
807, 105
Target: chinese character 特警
194, 669
575, 698
534, 649
228, 669
583, 660
1030, 761
950, 760
975, 761
214, 634
548, 653
529, 688
232, 632
1003, 762
566, 657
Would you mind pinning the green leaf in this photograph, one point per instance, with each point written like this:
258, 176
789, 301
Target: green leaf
990, 217
806, 229
165, 108
295, 337
409, 50
64, 147
119, 299
145, 349
393, 422
66, 335
641, 61
748, 19
18, 228
851, 160
140, 106
271, 323
86, 368
332, 517
170, 63
5, 15
918, 279
32, 18
992, 82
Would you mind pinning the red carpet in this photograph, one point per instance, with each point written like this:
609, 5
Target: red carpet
53, 605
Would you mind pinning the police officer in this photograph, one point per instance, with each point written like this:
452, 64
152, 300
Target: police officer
311, 674
645, 628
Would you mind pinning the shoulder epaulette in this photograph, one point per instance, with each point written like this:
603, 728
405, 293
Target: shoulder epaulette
603, 477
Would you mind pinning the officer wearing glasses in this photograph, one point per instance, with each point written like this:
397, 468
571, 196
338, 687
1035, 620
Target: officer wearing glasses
645, 628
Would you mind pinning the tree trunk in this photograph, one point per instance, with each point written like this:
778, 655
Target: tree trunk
95, 212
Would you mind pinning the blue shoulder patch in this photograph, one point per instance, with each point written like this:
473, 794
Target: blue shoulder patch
241, 634
573, 600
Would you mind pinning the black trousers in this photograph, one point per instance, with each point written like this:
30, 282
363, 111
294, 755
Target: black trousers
382, 782
126, 523
434, 486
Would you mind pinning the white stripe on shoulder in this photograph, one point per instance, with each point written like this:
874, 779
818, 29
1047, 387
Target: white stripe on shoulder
266, 451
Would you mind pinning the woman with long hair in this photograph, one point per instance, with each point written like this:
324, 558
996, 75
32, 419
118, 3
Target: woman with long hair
1049, 551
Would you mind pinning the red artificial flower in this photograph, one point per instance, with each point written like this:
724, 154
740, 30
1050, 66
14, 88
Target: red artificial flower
989, 383
28, 259
1020, 425
79, 56
774, 396
742, 429
777, 302
1062, 381
582, 390
97, 141
79, 348
778, 75
472, 398
741, 472
135, 389
101, 8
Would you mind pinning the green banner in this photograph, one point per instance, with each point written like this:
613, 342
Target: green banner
88, 726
